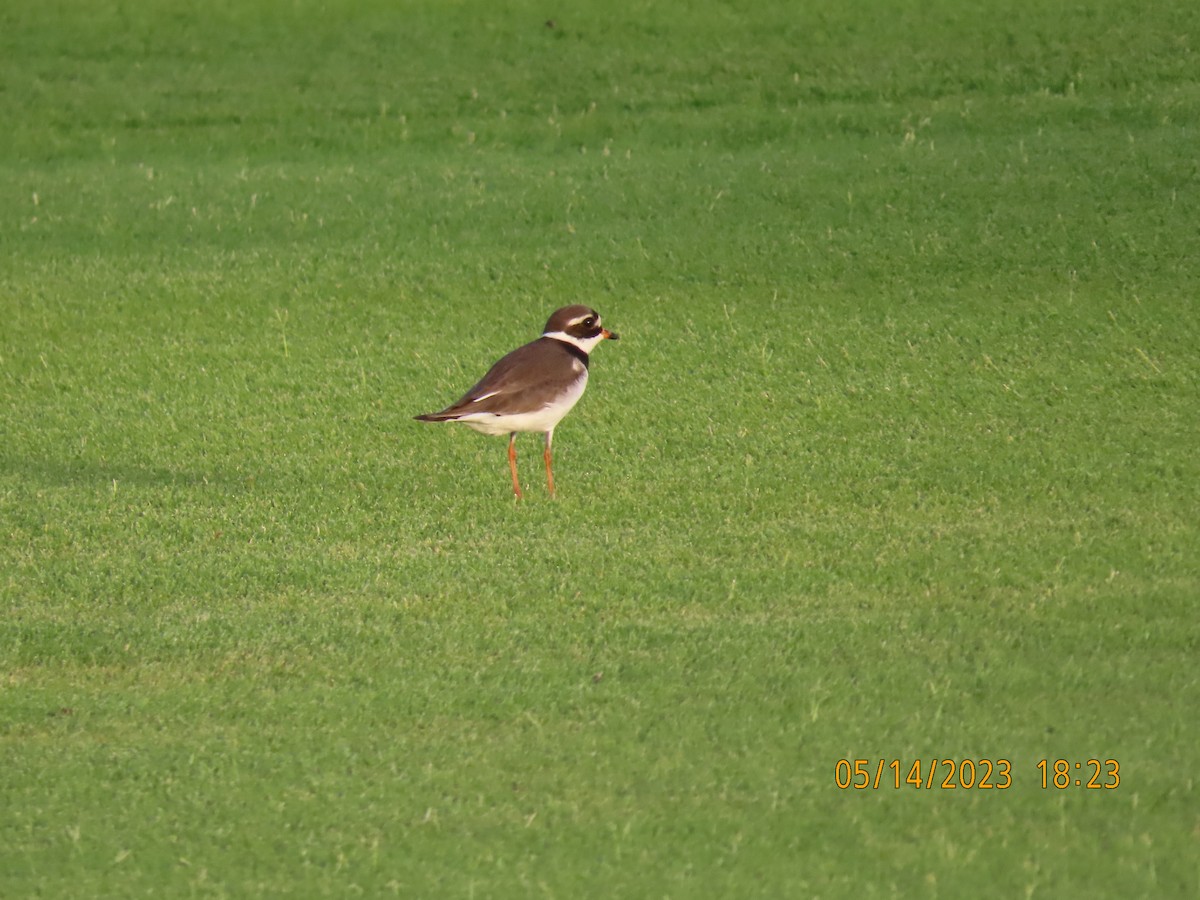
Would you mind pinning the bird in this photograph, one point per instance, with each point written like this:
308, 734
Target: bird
533, 387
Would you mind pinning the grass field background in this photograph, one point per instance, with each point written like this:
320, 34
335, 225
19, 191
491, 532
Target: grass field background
896, 458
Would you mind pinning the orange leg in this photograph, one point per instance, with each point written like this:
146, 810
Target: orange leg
549, 465
512, 463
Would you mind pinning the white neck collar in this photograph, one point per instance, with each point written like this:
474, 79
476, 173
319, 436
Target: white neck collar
587, 345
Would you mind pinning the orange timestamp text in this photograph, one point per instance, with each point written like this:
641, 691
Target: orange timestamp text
971, 774
927, 774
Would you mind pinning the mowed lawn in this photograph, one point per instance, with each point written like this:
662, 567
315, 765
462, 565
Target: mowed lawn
895, 461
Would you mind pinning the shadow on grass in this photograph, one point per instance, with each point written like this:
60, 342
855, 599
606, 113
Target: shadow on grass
83, 473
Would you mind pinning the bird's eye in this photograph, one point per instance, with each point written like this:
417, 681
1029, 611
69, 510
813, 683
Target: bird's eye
589, 322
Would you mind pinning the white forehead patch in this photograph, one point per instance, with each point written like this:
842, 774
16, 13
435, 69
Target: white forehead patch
579, 320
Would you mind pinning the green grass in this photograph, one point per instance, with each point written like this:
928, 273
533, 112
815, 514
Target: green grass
896, 458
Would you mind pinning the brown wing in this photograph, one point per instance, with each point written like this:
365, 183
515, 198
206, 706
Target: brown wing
529, 377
